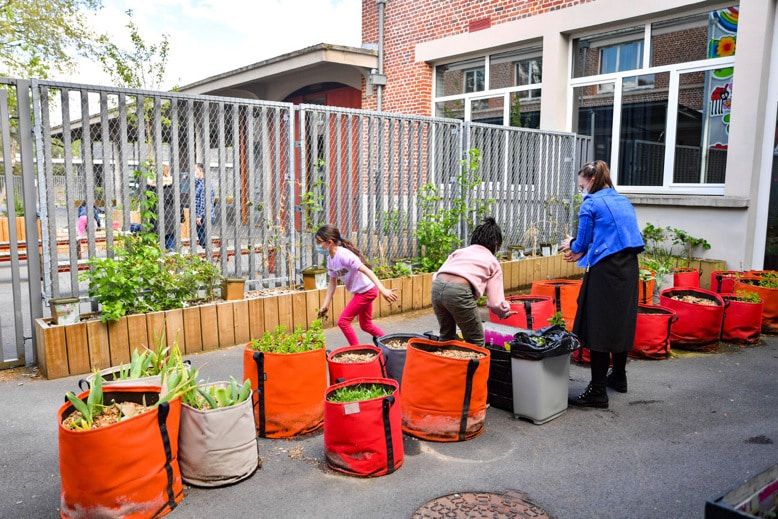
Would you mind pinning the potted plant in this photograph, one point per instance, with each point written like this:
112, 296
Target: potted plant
370, 406
742, 317
145, 368
765, 284
358, 361
516, 252
288, 373
118, 450
315, 278
652, 332
203, 275
646, 282
444, 390
564, 293
700, 314
65, 310
233, 289
217, 442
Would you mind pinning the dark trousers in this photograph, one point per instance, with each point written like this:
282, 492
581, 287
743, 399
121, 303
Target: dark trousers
600, 362
454, 305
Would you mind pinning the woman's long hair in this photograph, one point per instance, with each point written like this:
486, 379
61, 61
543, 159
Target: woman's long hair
599, 170
330, 232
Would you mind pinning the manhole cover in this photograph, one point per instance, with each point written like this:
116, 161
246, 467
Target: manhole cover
486, 505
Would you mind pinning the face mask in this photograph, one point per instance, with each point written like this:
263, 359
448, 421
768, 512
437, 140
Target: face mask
320, 249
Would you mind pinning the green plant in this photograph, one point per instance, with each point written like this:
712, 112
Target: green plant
312, 201
646, 274
438, 228
747, 297
216, 396
282, 341
769, 280
687, 241
394, 220
401, 269
359, 392
89, 409
557, 320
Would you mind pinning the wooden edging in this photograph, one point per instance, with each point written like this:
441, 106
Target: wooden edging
80, 348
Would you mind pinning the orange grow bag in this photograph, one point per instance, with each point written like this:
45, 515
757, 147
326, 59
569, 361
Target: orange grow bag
444, 399
128, 469
564, 293
289, 394
769, 300
646, 291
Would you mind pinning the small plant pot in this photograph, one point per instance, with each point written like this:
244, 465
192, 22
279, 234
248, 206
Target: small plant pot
344, 363
698, 324
546, 249
516, 252
217, 446
364, 438
395, 358
652, 332
646, 289
203, 293
65, 310
127, 469
315, 278
233, 289
288, 389
444, 398
686, 278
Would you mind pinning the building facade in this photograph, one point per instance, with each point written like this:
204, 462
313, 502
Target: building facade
680, 97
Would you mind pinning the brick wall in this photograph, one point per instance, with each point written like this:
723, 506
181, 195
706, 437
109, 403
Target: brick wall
408, 22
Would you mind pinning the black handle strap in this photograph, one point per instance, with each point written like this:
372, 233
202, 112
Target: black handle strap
83, 382
340, 380
382, 363
259, 360
387, 406
472, 365
528, 313
162, 414
645, 290
558, 297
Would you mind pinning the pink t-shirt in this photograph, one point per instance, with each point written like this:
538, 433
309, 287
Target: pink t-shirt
344, 265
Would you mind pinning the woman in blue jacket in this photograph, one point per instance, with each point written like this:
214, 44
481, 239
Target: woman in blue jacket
607, 245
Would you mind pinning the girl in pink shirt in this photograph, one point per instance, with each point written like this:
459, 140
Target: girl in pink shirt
465, 276
345, 262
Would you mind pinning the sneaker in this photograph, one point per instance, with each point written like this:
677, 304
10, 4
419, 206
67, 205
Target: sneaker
617, 381
591, 397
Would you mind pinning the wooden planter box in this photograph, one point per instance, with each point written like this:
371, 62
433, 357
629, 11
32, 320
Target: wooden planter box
80, 348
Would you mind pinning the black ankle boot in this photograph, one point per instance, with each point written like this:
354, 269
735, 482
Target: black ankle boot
617, 381
593, 396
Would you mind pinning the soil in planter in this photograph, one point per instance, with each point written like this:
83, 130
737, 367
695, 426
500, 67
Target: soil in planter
695, 300
112, 414
396, 344
267, 292
456, 353
355, 357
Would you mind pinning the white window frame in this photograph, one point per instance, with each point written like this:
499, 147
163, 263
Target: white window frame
668, 186
474, 71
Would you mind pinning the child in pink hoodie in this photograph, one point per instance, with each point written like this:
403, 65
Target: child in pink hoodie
466, 275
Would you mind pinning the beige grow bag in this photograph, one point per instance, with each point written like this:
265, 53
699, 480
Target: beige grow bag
217, 446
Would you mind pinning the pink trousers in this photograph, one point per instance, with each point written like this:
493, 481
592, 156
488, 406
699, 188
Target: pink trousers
361, 305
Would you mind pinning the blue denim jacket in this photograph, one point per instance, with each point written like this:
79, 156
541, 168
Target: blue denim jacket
606, 225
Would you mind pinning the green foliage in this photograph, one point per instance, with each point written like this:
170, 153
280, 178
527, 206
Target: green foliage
660, 256
91, 408
687, 241
769, 280
41, 36
359, 393
312, 201
298, 341
747, 296
438, 228
646, 274
557, 320
216, 396
394, 221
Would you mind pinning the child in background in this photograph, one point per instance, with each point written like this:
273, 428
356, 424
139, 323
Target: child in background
466, 275
345, 262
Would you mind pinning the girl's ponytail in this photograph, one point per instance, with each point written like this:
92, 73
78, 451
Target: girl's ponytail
330, 232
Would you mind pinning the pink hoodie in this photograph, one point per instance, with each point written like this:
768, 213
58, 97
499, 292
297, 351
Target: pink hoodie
478, 265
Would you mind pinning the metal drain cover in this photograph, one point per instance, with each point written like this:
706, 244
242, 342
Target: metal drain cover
486, 505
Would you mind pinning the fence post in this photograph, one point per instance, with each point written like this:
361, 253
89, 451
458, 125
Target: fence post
30, 201
292, 275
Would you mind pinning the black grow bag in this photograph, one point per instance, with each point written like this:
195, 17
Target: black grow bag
395, 359
500, 383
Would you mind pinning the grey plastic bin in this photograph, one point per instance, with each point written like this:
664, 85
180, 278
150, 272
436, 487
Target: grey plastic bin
540, 387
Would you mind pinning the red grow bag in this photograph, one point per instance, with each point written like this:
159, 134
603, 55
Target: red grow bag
742, 321
533, 312
342, 371
686, 277
127, 469
364, 438
769, 297
565, 296
723, 281
652, 332
698, 324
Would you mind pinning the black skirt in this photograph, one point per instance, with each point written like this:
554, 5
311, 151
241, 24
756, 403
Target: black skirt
608, 304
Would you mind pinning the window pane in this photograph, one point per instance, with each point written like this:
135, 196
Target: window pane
487, 110
702, 134
451, 109
630, 55
643, 127
450, 79
525, 109
587, 51
696, 37
593, 116
515, 68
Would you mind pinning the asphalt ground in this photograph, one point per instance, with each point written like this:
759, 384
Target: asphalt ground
690, 428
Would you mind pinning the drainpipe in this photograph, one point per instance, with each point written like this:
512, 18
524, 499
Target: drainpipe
380, 80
